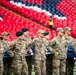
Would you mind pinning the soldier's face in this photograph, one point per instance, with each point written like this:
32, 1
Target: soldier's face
61, 33
47, 37
68, 32
41, 35
5, 37
26, 33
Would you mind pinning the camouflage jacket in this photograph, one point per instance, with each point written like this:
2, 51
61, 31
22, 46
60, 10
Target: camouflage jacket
59, 48
1, 50
40, 49
28, 43
5, 44
68, 39
18, 49
74, 45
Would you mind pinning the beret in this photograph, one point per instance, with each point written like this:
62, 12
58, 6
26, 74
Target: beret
19, 33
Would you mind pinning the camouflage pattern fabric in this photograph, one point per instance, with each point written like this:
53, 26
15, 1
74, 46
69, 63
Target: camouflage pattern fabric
40, 56
60, 54
1, 59
7, 65
70, 61
19, 64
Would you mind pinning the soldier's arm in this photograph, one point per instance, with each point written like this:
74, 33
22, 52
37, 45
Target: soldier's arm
34, 42
29, 47
10, 49
51, 44
71, 40
74, 45
1, 48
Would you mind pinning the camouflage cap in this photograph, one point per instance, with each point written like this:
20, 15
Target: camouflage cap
60, 30
40, 32
5, 34
67, 29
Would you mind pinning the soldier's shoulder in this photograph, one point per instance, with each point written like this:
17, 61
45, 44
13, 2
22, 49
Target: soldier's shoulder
35, 39
13, 42
54, 38
74, 41
71, 37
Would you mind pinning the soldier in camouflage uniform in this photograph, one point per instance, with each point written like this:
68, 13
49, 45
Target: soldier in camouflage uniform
1, 57
27, 39
70, 60
6, 61
60, 53
48, 56
29, 42
40, 54
17, 50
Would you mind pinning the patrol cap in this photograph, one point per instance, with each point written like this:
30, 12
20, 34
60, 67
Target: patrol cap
24, 29
19, 33
60, 30
67, 29
5, 34
40, 32
46, 33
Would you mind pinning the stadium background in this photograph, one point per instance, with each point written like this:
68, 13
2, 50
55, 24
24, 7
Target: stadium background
35, 15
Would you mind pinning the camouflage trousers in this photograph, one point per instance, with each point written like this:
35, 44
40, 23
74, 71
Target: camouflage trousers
1, 66
20, 67
7, 66
59, 67
40, 67
49, 64
69, 66
29, 63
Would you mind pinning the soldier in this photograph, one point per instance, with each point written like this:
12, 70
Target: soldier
27, 39
48, 56
70, 60
6, 61
40, 54
46, 37
1, 57
29, 42
59, 52
17, 50
67, 31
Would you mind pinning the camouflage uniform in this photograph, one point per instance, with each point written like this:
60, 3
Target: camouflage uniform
6, 61
19, 64
48, 56
29, 42
1, 58
60, 54
70, 60
40, 55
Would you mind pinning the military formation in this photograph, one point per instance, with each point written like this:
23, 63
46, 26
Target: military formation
56, 63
